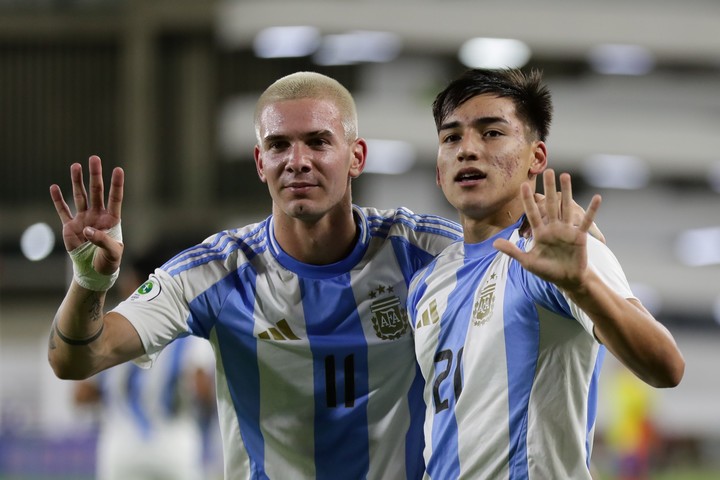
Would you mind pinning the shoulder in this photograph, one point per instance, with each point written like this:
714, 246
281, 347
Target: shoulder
455, 252
404, 222
231, 247
450, 258
598, 252
608, 267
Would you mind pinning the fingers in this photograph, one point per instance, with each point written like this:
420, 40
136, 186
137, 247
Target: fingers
115, 197
97, 189
552, 205
509, 248
107, 259
101, 239
567, 198
589, 218
61, 207
540, 202
78, 187
96, 199
532, 212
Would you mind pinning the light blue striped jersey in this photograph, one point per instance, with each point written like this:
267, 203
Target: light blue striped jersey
315, 364
511, 365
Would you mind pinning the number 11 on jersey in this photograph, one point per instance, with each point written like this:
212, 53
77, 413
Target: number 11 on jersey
331, 381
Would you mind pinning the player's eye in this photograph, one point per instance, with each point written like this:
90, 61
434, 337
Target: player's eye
450, 138
492, 133
317, 142
277, 145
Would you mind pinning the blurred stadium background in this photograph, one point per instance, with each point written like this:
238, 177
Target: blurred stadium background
166, 88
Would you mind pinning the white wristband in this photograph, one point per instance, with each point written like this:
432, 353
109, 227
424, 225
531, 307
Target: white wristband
84, 273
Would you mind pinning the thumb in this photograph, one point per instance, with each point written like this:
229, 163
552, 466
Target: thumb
107, 257
89, 233
508, 248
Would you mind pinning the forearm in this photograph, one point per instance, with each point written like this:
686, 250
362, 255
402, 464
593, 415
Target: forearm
75, 342
83, 340
631, 333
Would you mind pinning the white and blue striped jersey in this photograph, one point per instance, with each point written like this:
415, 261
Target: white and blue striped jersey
511, 365
316, 373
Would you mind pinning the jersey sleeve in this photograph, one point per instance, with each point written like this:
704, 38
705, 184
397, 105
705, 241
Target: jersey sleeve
431, 233
606, 266
601, 260
158, 311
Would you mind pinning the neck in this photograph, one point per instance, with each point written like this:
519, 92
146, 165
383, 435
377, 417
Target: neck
476, 230
326, 240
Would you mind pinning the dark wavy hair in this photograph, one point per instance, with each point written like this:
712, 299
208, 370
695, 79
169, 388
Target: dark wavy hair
532, 99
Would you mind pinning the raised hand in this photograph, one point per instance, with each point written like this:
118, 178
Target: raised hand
92, 217
577, 212
559, 252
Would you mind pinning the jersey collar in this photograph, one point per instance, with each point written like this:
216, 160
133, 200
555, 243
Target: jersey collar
323, 271
485, 247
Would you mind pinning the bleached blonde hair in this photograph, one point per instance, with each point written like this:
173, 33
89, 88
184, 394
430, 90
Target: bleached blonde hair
301, 85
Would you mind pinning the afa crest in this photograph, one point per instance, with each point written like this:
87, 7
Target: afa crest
389, 318
484, 304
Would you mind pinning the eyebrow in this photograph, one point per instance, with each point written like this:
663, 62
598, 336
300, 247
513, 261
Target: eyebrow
314, 134
478, 122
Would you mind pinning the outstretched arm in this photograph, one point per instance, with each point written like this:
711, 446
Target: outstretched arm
559, 255
83, 340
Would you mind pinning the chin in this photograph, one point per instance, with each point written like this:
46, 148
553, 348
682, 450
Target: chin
303, 211
466, 206
473, 210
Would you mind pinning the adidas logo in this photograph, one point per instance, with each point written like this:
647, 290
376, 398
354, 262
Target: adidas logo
281, 331
429, 316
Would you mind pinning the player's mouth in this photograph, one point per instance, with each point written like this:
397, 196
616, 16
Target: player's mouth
300, 187
470, 176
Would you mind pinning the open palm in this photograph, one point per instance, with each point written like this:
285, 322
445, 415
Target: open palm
90, 211
559, 250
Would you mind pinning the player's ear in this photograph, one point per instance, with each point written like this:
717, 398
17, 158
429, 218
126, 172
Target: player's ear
259, 164
359, 156
538, 162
